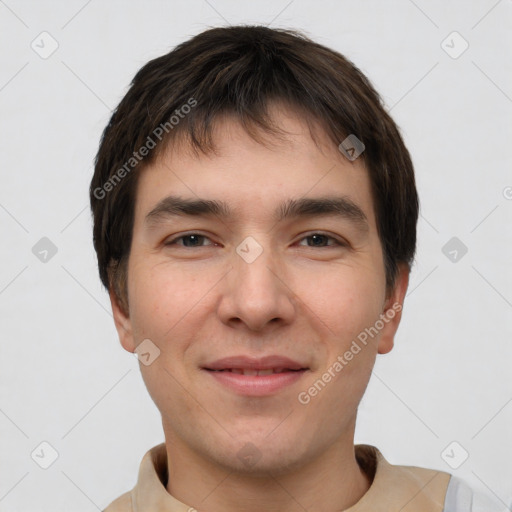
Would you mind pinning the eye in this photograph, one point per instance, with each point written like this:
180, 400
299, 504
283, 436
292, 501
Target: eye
190, 241
321, 240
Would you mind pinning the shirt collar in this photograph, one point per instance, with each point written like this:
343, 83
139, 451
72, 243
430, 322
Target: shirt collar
423, 489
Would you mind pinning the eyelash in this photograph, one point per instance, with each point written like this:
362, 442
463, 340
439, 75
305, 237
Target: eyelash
337, 242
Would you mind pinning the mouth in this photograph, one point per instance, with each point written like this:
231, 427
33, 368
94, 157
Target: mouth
256, 377
252, 371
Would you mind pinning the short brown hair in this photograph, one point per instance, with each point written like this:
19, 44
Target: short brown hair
239, 71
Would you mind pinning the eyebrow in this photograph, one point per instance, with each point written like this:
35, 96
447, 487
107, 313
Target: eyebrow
338, 206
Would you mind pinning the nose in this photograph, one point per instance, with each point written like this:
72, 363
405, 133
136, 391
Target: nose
256, 294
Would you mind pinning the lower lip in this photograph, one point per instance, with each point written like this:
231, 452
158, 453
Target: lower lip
256, 385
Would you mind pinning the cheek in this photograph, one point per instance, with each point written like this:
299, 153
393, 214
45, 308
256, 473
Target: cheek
165, 308
344, 298
160, 297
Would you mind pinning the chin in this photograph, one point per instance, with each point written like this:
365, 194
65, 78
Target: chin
261, 455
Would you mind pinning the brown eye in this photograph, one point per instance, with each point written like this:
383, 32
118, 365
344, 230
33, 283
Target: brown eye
321, 240
191, 240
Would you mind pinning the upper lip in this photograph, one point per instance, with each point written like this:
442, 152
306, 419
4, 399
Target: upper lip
252, 363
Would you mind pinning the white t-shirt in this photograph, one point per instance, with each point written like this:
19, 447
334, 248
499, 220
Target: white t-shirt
460, 498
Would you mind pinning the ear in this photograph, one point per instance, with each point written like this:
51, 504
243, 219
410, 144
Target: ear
122, 322
392, 311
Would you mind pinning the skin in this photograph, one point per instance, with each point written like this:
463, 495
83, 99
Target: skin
305, 298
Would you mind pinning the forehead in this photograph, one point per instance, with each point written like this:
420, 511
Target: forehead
255, 175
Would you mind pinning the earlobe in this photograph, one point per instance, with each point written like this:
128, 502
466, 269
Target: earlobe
392, 312
122, 322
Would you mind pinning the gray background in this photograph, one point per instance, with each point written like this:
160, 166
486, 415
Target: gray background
65, 379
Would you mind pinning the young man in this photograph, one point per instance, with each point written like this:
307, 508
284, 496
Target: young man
255, 222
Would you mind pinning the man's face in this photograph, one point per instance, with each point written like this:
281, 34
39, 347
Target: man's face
274, 276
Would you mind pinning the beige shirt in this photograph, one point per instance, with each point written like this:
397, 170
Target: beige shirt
393, 488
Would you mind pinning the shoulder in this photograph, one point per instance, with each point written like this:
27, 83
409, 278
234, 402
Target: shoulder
422, 488
121, 504
396, 487
461, 498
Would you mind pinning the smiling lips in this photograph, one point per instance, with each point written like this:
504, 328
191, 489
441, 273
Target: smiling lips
249, 371
256, 377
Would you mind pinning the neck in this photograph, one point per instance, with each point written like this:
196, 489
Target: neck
333, 481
